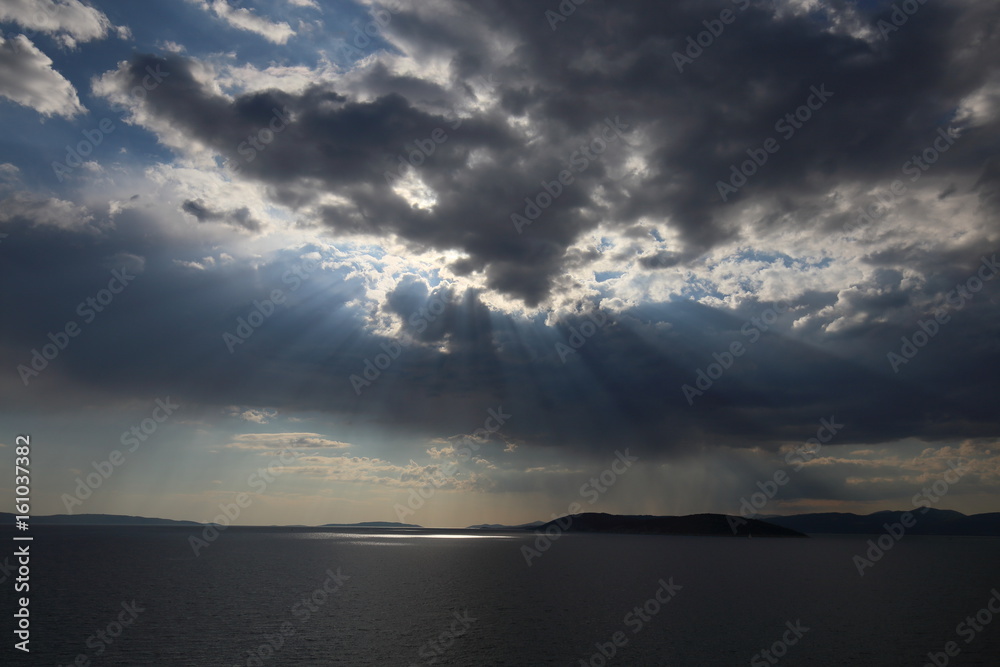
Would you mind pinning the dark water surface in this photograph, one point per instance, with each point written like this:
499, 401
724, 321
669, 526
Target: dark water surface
384, 598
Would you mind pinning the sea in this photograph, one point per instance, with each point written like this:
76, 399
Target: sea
301, 596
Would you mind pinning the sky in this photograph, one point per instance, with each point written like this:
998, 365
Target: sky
453, 262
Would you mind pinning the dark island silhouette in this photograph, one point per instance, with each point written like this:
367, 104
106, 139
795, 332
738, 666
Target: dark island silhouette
925, 520
371, 524
693, 524
500, 526
7, 519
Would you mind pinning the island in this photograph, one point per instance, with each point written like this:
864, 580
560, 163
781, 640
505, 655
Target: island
720, 525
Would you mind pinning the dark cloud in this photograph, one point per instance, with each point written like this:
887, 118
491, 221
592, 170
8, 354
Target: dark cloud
888, 96
579, 385
240, 217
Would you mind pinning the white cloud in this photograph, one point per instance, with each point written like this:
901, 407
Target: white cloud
981, 107
242, 78
69, 21
10, 176
366, 470
244, 19
172, 47
114, 86
27, 77
839, 19
258, 416
44, 211
196, 266
271, 441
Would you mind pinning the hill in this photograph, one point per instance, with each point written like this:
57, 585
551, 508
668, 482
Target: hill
927, 521
371, 524
499, 526
7, 519
694, 524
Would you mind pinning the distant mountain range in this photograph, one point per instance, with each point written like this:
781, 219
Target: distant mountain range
498, 526
926, 521
371, 524
929, 522
7, 519
693, 524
